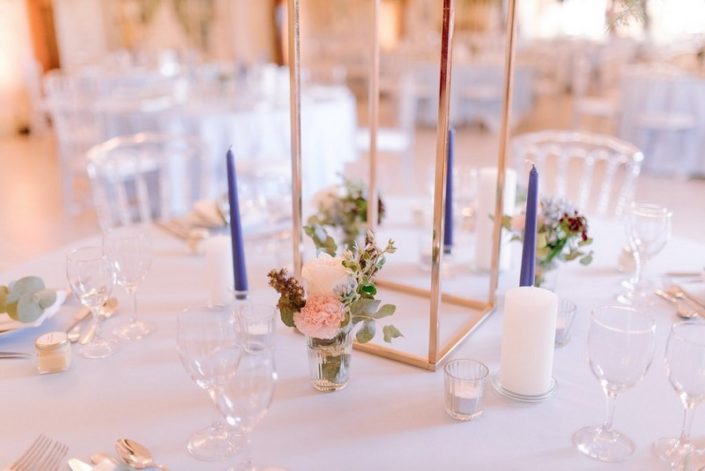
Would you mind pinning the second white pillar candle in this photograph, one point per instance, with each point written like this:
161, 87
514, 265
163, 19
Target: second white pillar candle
528, 336
219, 270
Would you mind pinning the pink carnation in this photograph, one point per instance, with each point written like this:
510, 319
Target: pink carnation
320, 317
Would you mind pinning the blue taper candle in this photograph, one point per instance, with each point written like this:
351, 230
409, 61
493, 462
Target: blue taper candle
448, 233
528, 253
239, 269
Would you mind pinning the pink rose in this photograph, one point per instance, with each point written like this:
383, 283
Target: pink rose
320, 317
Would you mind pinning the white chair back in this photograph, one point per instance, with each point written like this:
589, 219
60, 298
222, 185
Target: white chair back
595, 172
145, 177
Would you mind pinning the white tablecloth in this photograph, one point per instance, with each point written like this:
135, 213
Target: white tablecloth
390, 417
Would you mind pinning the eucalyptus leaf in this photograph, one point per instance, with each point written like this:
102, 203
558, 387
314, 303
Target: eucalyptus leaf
586, 260
28, 310
287, 315
46, 298
366, 332
385, 311
24, 286
391, 332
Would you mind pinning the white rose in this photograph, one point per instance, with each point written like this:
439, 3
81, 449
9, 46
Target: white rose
323, 274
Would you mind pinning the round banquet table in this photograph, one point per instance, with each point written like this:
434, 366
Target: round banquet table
390, 416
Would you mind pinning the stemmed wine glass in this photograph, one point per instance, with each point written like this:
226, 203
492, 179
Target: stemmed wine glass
210, 350
685, 365
621, 343
648, 230
130, 252
92, 279
245, 398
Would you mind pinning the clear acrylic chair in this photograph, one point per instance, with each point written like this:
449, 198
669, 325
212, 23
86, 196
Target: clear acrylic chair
69, 103
595, 172
146, 177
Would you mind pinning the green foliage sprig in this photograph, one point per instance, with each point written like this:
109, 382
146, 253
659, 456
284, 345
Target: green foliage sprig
561, 235
26, 299
345, 208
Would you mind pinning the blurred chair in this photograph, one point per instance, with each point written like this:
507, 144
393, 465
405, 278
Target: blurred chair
69, 101
146, 177
595, 172
595, 93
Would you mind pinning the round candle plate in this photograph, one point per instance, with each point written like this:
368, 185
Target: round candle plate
522, 397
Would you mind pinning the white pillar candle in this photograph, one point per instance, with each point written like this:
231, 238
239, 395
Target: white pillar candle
219, 270
528, 335
486, 198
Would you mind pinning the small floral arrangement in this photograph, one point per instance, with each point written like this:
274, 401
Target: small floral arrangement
562, 235
340, 293
26, 299
342, 207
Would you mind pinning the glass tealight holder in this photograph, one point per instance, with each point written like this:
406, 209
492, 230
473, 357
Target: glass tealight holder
564, 321
464, 388
53, 352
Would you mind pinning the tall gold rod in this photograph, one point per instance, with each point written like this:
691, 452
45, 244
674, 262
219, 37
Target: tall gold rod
294, 40
439, 201
503, 140
373, 99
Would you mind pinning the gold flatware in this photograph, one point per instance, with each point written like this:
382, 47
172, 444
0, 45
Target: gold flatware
681, 310
678, 292
44, 454
14, 356
136, 455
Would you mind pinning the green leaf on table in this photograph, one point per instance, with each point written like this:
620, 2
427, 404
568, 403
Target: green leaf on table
28, 310
4, 291
366, 332
385, 311
46, 298
391, 332
24, 286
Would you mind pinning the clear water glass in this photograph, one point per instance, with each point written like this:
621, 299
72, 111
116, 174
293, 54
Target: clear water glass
621, 342
685, 366
92, 279
130, 252
464, 388
256, 323
210, 350
244, 399
648, 230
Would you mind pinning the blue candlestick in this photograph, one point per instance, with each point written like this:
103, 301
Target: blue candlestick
239, 268
448, 233
528, 253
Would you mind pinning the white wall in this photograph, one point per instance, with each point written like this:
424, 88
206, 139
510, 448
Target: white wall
15, 57
80, 31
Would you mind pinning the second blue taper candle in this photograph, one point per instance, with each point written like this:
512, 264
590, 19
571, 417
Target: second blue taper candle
239, 268
528, 253
448, 233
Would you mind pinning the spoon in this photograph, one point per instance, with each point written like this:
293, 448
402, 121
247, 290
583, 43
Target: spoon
678, 292
681, 310
136, 455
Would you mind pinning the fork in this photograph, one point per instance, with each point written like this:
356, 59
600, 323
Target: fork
44, 453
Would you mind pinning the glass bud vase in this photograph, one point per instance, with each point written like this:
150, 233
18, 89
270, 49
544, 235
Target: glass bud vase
329, 361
